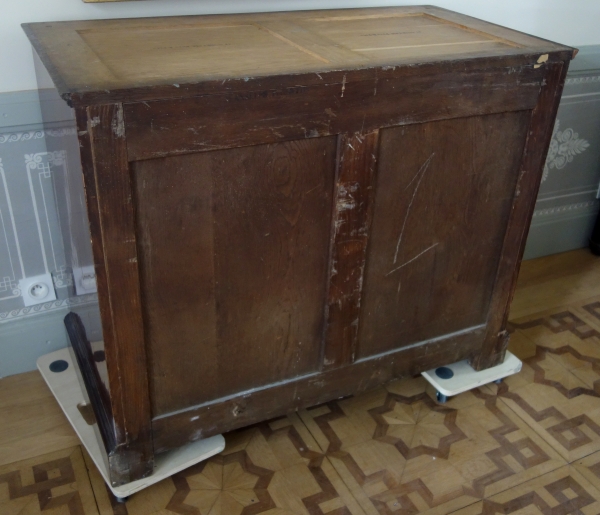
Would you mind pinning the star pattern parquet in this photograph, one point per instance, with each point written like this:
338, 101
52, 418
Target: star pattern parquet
528, 446
53, 484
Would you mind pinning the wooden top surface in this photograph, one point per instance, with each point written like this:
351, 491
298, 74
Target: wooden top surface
108, 55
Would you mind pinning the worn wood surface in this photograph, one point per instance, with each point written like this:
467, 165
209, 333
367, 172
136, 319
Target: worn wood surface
352, 212
156, 129
246, 408
118, 286
233, 254
530, 177
443, 197
89, 60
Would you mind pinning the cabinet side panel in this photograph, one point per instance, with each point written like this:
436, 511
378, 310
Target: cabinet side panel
234, 248
442, 204
176, 252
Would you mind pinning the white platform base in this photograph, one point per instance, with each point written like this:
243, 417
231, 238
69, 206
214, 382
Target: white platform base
465, 378
66, 388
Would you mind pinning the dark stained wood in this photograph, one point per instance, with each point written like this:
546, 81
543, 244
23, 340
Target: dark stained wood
233, 253
443, 198
282, 82
119, 284
175, 228
156, 129
530, 177
290, 207
356, 163
221, 415
95, 388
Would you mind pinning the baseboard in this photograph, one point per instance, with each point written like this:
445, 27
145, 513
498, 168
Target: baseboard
561, 229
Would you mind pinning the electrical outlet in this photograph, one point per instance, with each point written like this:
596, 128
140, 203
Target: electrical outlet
85, 280
37, 290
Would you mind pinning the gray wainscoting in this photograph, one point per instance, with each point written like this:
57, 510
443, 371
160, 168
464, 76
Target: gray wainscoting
31, 153
567, 204
31, 223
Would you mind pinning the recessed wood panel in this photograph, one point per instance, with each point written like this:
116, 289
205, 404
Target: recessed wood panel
390, 37
233, 248
443, 198
176, 51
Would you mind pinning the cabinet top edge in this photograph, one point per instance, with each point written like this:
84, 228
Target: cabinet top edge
105, 61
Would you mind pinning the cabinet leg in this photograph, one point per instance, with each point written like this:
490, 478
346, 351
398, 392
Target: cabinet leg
441, 398
498, 381
122, 500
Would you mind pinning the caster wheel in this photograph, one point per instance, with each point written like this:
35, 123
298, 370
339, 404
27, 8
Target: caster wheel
121, 500
498, 381
441, 398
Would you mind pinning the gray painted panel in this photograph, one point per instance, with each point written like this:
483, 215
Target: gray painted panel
566, 205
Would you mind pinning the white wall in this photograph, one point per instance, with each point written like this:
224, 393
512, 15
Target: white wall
572, 22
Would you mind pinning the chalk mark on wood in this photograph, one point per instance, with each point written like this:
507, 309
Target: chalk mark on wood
421, 172
411, 260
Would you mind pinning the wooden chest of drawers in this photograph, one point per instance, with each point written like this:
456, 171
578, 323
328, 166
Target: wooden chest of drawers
288, 208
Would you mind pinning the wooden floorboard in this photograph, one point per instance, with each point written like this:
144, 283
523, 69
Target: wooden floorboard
556, 280
531, 443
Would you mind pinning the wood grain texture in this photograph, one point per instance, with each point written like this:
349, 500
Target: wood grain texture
32, 421
220, 415
119, 286
156, 129
356, 165
530, 176
443, 197
554, 281
108, 57
233, 254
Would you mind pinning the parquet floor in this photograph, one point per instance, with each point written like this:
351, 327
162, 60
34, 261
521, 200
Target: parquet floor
528, 446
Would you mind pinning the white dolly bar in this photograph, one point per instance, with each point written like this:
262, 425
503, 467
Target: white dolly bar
66, 388
460, 376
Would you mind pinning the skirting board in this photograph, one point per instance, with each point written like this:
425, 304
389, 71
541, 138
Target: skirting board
66, 389
561, 232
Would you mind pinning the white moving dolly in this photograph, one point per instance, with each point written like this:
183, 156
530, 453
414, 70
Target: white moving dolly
60, 374
461, 377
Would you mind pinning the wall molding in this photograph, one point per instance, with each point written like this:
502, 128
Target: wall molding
48, 307
582, 80
15, 137
567, 208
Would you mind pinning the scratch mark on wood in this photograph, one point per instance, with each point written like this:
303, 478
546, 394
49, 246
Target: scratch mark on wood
411, 260
343, 85
311, 190
421, 172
